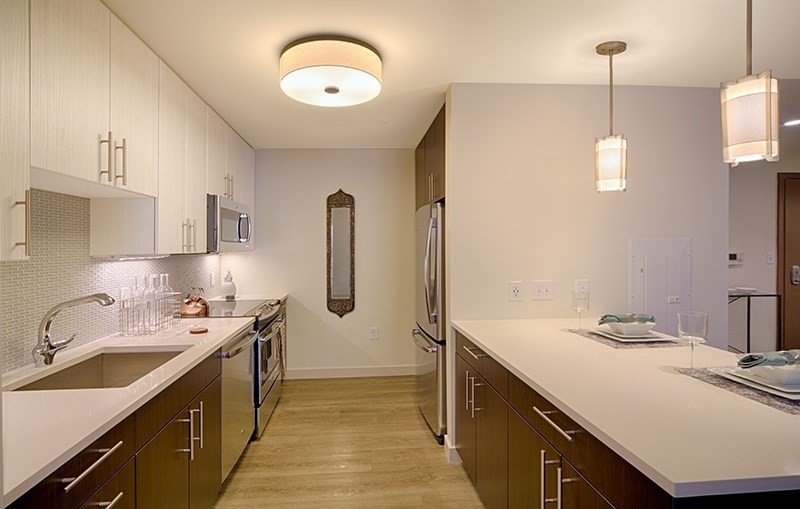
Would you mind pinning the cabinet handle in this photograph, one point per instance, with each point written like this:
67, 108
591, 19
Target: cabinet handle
561, 482
233, 186
193, 235
108, 505
110, 163
73, 481
27, 203
474, 409
466, 391
543, 463
124, 148
469, 351
190, 420
543, 415
184, 237
202, 420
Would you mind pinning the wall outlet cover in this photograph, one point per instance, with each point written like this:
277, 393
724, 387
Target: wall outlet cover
515, 291
374, 333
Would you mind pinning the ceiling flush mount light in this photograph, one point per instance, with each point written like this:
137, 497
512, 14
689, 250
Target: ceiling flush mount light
330, 71
750, 112
611, 152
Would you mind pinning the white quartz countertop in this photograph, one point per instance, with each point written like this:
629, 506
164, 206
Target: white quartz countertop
43, 429
689, 437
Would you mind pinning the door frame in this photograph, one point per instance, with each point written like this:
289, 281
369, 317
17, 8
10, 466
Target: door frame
781, 267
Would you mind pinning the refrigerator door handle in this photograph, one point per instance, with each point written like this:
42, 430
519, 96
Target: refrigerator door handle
424, 348
426, 276
434, 271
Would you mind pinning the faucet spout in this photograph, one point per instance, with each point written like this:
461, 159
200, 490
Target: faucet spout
46, 348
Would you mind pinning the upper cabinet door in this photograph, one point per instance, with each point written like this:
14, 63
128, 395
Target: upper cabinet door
216, 130
196, 172
70, 87
134, 111
245, 174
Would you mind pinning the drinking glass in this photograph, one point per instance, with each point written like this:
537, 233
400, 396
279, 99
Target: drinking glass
693, 327
580, 303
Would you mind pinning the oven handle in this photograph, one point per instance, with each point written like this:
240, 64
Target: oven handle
240, 347
269, 337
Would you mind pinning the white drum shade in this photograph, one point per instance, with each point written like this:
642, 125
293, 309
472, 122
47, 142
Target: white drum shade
611, 163
750, 119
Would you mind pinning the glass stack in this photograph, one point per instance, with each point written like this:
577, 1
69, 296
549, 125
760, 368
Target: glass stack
149, 306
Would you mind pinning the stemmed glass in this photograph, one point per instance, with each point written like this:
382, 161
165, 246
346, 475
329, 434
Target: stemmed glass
693, 327
580, 303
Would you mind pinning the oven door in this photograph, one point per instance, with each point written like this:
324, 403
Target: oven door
267, 360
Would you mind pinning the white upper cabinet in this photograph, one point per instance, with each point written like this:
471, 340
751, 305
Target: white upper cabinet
14, 130
134, 111
240, 163
196, 172
217, 131
94, 97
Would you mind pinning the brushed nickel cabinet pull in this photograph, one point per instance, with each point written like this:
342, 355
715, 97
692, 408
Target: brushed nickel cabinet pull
473, 354
193, 236
184, 237
544, 415
107, 171
27, 204
108, 505
202, 419
472, 399
73, 481
466, 391
124, 148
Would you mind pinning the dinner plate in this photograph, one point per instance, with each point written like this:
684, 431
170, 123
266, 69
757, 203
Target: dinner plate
644, 338
734, 375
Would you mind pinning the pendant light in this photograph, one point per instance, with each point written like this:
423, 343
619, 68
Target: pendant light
750, 112
611, 152
330, 71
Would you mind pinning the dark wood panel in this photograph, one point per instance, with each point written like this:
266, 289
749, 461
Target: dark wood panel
491, 412
121, 487
788, 255
465, 423
205, 472
50, 492
420, 176
577, 493
525, 449
160, 410
435, 155
490, 369
162, 467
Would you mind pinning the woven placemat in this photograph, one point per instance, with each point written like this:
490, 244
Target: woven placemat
586, 333
784, 405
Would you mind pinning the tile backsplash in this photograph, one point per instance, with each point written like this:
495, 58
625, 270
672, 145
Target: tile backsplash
60, 269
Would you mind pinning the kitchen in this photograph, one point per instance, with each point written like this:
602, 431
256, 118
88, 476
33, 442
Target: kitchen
513, 150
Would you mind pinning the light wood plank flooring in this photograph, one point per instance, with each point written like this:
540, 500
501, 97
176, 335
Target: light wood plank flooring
347, 443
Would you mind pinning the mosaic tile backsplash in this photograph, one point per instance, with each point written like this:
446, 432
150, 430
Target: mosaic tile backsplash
60, 269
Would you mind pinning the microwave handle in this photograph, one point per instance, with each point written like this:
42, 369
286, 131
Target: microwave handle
246, 219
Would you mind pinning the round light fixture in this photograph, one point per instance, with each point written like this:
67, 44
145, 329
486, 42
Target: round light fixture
330, 71
791, 123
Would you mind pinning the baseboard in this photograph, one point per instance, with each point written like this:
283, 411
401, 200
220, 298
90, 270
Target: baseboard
450, 452
349, 372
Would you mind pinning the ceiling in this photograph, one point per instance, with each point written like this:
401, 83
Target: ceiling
228, 52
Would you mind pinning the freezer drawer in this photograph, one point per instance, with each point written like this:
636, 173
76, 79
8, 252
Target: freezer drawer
430, 382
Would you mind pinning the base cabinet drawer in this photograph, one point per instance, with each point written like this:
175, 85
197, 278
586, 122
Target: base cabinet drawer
119, 492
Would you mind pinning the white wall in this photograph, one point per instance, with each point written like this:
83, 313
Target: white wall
291, 188
753, 232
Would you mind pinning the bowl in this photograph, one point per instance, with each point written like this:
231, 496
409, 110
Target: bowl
631, 328
783, 375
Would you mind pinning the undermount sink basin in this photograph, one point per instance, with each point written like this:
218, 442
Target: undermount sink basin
102, 371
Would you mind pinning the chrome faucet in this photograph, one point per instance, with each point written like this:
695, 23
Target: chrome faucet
47, 347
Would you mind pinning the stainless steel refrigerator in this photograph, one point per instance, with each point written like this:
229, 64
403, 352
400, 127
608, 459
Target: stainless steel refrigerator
431, 330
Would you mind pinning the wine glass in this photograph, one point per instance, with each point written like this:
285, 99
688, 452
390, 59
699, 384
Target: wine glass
580, 303
693, 327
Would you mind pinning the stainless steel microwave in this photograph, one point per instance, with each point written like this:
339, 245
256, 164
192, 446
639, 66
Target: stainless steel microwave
230, 225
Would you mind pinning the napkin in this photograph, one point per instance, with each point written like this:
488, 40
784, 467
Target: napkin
626, 318
780, 358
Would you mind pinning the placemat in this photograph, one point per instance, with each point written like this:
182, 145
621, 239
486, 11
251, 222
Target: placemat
784, 405
586, 333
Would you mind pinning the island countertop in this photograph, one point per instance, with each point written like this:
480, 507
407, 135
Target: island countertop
42, 429
689, 437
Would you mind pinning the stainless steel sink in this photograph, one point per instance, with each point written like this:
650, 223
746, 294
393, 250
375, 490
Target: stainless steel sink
102, 371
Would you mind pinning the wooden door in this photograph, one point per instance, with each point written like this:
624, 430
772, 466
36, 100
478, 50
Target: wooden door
525, 461
70, 87
120, 488
217, 154
196, 174
465, 422
577, 493
14, 128
205, 472
162, 467
134, 110
491, 412
172, 227
788, 256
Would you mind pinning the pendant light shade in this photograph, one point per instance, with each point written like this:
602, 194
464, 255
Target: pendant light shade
611, 152
330, 71
750, 113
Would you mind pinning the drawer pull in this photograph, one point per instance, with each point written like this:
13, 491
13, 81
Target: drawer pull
73, 481
109, 505
469, 351
543, 415
466, 395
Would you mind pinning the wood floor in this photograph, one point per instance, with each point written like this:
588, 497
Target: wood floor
347, 443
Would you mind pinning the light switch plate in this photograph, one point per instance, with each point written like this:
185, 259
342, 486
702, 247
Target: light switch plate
374, 333
543, 289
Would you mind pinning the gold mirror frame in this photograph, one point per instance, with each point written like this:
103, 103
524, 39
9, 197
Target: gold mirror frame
338, 249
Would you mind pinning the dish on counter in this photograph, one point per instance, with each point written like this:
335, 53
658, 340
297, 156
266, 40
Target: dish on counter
651, 337
778, 375
630, 329
743, 377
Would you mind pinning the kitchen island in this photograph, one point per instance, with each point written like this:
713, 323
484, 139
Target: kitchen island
42, 429
687, 437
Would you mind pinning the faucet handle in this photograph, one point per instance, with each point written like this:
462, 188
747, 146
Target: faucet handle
61, 343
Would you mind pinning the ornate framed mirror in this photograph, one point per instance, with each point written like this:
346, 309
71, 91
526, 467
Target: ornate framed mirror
341, 266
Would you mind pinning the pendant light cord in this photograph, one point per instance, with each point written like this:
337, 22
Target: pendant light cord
611, 93
749, 37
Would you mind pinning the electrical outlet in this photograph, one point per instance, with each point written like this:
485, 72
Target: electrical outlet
374, 333
212, 280
543, 290
515, 291
582, 287
770, 258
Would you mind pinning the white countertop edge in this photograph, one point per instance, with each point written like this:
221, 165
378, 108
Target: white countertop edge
17, 485
677, 489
